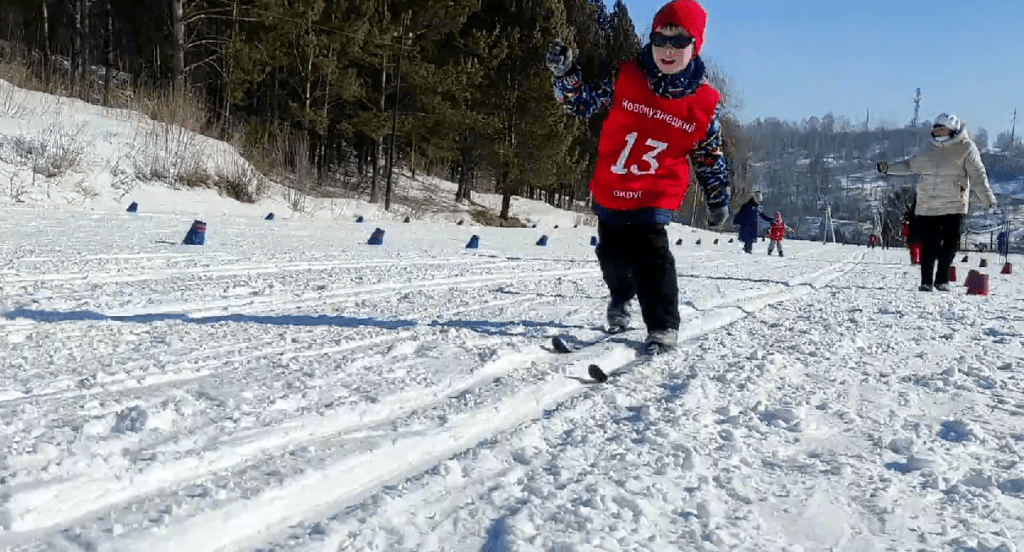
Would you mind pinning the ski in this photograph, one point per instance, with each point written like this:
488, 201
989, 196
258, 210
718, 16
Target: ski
560, 345
564, 345
596, 373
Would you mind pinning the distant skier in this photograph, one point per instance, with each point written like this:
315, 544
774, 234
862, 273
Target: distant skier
1002, 244
887, 235
872, 240
950, 169
747, 218
776, 233
662, 117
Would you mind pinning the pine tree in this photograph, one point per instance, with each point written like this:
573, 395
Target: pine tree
621, 42
519, 101
440, 82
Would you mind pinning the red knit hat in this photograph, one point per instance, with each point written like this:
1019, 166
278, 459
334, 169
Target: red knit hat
686, 14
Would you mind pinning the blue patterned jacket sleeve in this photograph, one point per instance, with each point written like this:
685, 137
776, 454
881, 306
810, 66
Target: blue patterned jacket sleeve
583, 99
710, 166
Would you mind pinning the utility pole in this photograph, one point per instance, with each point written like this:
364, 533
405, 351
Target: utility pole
693, 211
917, 108
1013, 127
828, 227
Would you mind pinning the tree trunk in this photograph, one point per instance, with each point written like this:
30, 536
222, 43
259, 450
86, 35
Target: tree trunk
325, 130
389, 187
458, 175
360, 159
374, 170
46, 35
227, 61
473, 183
308, 88
76, 45
465, 177
178, 28
80, 49
506, 194
378, 152
86, 39
108, 47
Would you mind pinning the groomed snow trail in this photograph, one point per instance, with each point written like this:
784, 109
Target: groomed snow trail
287, 387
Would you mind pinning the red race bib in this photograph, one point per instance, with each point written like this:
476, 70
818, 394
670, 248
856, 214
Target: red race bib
642, 154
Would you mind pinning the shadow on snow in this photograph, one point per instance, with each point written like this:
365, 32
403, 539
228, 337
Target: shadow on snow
480, 326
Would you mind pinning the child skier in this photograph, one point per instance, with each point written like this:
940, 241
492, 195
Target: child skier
776, 233
662, 117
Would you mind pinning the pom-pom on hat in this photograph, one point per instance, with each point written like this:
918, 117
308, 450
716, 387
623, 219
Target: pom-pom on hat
686, 14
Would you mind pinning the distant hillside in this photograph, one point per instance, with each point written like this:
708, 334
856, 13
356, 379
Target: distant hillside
803, 169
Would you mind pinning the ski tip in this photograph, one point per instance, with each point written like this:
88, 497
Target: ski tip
597, 374
560, 345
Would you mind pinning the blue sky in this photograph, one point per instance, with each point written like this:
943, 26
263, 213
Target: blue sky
792, 59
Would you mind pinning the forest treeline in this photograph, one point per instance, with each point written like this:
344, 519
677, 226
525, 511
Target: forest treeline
336, 94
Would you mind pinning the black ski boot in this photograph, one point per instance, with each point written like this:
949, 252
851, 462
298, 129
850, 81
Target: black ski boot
660, 341
618, 317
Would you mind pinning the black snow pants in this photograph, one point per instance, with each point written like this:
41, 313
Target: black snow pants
636, 261
940, 239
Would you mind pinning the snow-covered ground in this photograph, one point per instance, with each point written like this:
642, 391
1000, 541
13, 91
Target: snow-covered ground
288, 387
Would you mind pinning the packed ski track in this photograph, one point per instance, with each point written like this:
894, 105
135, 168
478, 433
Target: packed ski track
287, 387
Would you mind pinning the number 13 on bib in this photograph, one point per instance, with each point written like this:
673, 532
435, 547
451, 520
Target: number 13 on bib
651, 157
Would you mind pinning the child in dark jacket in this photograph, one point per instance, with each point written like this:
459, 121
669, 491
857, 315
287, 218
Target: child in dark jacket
662, 118
746, 220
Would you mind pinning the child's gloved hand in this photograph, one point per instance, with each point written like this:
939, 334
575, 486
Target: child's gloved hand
559, 58
718, 215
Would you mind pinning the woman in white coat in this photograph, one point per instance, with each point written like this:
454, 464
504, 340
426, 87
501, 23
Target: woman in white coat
951, 169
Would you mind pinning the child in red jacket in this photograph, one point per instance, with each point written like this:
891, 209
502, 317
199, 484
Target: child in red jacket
776, 233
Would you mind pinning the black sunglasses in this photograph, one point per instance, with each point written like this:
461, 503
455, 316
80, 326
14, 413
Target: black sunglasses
676, 41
